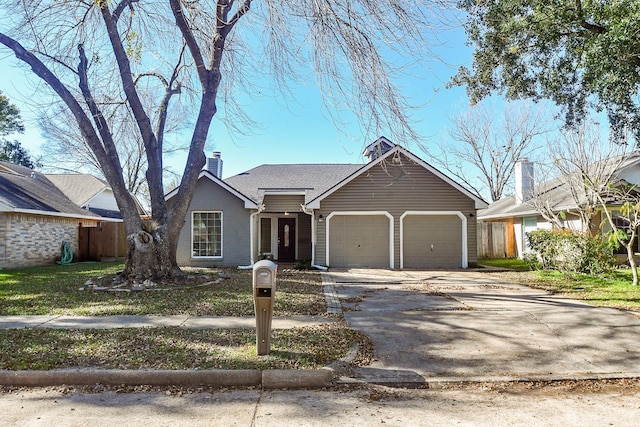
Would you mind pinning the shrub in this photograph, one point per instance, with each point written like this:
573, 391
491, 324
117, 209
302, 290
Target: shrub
567, 251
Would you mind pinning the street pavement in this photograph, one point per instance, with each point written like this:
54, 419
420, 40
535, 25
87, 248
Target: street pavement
368, 406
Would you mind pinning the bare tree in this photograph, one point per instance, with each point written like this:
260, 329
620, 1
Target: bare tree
584, 165
590, 180
66, 150
486, 147
98, 56
627, 197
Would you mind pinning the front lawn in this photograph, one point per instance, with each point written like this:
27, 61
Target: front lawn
509, 263
174, 348
611, 290
61, 290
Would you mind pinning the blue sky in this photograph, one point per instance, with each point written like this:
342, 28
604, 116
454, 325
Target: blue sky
298, 131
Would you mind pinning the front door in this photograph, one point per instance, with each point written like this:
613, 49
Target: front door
286, 239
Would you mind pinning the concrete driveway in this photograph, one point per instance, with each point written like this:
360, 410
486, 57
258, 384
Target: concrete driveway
472, 325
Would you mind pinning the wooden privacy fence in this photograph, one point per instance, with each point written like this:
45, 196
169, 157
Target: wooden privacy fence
105, 242
496, 240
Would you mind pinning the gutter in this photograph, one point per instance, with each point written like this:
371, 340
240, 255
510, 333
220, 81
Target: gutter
61, 215
313, 237
251, 231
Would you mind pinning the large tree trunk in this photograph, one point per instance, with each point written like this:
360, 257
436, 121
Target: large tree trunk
151, 252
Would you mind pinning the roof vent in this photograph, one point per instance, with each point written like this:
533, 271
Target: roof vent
378, 148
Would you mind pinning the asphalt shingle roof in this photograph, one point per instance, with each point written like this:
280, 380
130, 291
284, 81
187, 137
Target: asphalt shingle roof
23, 189
312, 179
79, 188
557, 192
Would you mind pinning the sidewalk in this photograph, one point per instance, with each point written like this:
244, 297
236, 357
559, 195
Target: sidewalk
133, 321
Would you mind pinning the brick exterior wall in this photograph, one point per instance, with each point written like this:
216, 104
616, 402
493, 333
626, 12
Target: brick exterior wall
33, 240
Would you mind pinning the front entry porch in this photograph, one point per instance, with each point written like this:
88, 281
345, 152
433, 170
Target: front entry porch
283, 237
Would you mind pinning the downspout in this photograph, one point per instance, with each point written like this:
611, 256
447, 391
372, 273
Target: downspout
251, 238
313, 237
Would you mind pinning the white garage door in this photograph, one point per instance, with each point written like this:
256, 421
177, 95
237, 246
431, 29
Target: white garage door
432, 241
359, 241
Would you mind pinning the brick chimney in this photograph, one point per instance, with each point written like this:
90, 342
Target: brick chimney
524, 181
214, 164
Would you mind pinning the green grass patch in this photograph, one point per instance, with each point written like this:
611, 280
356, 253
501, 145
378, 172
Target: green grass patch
614, 289
516, 264
61, 290
173, 348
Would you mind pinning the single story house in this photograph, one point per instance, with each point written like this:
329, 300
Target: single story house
35, 218
394, 212
521, 211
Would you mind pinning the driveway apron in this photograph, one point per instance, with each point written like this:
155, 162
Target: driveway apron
463, 324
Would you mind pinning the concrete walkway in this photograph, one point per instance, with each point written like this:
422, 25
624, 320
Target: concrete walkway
471, 325
133, 321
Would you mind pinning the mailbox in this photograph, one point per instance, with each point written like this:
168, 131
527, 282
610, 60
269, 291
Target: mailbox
264, 290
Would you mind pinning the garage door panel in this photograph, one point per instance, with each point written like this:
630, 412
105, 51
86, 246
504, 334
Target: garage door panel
432, 241
359, 241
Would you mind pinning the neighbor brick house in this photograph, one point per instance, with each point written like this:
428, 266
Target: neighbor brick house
396, 211
35, 218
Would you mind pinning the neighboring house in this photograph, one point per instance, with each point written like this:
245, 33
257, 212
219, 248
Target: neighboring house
90, 193
521, 211
396, 211
35, 218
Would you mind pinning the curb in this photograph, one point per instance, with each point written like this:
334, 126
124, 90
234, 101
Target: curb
219, 378
267, 379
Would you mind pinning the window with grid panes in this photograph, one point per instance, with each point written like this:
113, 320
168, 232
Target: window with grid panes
206, 234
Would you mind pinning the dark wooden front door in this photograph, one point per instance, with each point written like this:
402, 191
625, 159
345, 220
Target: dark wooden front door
286, 239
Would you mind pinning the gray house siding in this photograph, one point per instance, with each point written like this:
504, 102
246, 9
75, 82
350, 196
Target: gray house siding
397, 189
208, 197
304, 236
282, 203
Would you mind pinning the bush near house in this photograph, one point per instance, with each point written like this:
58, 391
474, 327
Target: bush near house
569, 252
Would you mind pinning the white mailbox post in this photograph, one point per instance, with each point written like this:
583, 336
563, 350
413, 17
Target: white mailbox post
264, 290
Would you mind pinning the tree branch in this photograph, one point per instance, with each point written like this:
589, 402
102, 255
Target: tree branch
192, 43
242, 10
154, 171
96, 113
120, 8
41, 70
586, 25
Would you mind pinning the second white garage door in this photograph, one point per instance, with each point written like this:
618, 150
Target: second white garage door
359, 241
432, 241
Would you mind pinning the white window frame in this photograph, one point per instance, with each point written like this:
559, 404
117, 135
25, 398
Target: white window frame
193, 256
528, 228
